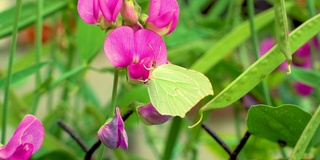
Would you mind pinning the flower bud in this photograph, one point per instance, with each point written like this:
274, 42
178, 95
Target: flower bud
100, 12
163, 16
112, 133
151, 116
128, 13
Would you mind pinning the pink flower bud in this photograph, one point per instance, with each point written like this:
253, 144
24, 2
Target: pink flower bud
128, 13
112, 133
151, 116
99, 12
26, 140
163, 16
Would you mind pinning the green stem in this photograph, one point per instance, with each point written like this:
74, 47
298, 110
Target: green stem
38, 52
11, 58
256, 50
256, 47
113, 104
306, 136
114, 92
101, 152
172, 138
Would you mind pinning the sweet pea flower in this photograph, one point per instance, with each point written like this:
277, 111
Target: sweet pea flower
163, 16
112, 133
140, 51
302, 58
151, 116
102, 12
26, 140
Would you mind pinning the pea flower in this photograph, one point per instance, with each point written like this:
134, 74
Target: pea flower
103, 12
302, 58
26, 140
163, 16
140, 51
112, 133
151, 116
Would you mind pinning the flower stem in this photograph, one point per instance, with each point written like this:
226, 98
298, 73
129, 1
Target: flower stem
11, 58
114, 91
172, 138
38, 53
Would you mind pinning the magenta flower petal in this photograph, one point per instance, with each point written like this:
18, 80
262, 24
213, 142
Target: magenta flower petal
303, 89
88, 11
150, 47
30, 131
151, 116
113, 134
163, 16
119, 46
23, 152
137, 71
110, 9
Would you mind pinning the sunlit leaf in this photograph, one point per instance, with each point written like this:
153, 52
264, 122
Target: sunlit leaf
175, 90
282, 124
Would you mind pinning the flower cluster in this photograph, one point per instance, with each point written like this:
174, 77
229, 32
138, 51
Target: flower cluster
302, 58
26, 140
163, 14
135, 43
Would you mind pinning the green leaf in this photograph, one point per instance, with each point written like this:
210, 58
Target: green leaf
89, 39
174, 90
28, 15
262, 67
282, 30
20, 75
230, 41
310, 77
279, 124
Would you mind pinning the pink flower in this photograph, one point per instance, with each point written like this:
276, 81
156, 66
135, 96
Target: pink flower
112, 133
163, 16
103, 12
140, 51
26, 140
151, 116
